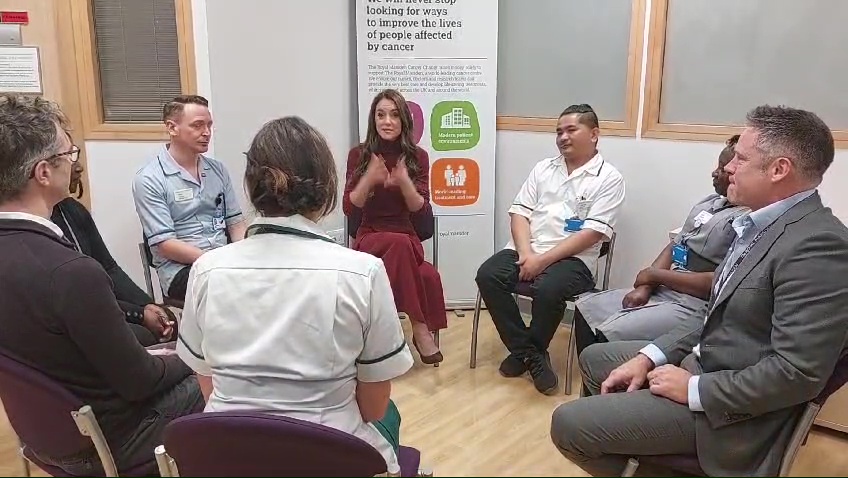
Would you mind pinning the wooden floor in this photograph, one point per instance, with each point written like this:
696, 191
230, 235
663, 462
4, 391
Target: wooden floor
476, 423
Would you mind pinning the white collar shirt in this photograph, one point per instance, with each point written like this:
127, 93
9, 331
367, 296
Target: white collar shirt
593, 192
288, 321
24, 216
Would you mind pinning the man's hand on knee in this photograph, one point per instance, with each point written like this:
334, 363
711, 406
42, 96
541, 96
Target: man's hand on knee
629, 376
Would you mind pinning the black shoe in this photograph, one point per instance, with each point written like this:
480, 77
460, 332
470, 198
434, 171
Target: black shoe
544, 378
512, 366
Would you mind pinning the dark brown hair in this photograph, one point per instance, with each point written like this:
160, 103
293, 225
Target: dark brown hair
174, 108
290, 170
372, 138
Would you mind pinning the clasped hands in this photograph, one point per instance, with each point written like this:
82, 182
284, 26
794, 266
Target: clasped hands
667, 381
378, 174
156, 320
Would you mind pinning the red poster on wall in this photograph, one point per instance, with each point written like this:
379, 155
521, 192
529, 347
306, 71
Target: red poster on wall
21, 18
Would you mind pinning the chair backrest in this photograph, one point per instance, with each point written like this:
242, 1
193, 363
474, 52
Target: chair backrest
260, 444
39, 410
424, 225
146, 265
607, 252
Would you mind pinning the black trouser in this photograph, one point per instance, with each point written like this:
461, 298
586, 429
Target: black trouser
144, 336
177, 289
497, 278
583, 334
185, 398
584, 337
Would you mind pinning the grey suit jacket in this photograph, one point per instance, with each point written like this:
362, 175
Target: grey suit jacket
771, 341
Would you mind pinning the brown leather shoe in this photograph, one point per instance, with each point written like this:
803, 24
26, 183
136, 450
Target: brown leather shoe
428, 359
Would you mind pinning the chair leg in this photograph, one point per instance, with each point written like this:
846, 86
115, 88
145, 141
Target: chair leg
474, 325
25, 467
424, 473
571, 351
436, 339
162, 459
88, 426
630, 469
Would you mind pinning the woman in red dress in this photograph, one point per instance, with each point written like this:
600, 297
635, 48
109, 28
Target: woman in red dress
388, 182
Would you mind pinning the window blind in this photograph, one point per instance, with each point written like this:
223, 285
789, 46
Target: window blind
137, 49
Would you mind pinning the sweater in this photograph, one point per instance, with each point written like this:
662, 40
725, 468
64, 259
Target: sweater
386, 210
59, 316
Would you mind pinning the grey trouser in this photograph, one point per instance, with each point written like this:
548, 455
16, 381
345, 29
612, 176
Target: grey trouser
600, 432
183, 399
664, 311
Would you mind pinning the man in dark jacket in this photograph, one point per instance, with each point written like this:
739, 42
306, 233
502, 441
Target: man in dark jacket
151, 323
60, 315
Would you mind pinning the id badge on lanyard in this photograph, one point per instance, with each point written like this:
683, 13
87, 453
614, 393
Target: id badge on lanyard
680, 254
581, 213
218, 222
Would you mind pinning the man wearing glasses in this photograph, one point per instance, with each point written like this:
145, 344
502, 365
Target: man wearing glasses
60, 315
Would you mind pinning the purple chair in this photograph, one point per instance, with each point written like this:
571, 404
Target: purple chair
689, 463
524, 290
50, 421
261, 444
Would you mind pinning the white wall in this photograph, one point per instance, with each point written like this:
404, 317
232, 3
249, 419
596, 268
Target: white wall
312, 75
111, 168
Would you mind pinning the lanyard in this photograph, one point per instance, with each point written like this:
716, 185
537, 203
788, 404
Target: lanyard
275, 229
71, 230
725, 277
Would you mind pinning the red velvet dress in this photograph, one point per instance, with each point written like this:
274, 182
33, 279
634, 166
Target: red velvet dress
386, 231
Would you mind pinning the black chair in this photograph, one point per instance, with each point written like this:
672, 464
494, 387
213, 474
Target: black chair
523, 290
425, 226
147, 264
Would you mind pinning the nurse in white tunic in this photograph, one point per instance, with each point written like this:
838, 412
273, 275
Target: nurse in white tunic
287, 321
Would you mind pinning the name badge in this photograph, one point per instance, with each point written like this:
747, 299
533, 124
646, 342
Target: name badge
680, 254
582, 208
183, 195
702, 218
573, 225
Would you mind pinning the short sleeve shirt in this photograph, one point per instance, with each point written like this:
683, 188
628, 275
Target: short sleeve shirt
550, 195
172, 204
708, 232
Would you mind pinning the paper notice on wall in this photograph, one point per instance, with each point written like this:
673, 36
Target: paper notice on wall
20, 70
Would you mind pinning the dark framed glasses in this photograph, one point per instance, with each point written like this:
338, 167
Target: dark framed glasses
71, 155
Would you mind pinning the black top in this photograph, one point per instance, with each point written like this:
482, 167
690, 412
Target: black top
79, 229
61, 318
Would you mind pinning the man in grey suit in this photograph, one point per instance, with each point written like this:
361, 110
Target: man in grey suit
731, 390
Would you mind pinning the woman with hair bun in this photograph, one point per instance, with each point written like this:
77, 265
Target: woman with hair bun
287, 321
